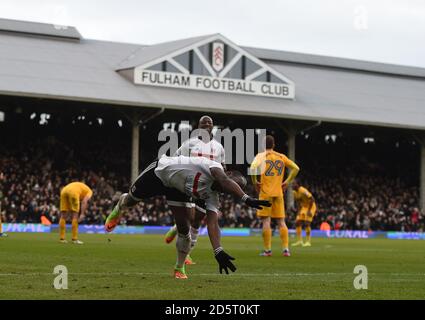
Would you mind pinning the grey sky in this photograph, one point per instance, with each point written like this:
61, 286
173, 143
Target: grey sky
391, 31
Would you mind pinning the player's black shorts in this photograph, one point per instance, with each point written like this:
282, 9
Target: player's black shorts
148, 185
200, 205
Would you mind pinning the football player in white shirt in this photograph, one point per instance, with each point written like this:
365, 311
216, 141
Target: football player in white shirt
180, 179
197, 147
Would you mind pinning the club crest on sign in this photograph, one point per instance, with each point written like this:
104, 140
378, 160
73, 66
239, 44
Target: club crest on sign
218, 56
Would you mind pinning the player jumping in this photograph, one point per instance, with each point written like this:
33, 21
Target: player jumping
197, 147
179, 178
270, 166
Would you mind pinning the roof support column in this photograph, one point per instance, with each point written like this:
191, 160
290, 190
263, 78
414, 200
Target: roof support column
292, 133
420, 138
135, 149
292, 128
137, 118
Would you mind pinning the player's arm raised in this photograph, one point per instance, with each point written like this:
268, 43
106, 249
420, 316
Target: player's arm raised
183, 150
227, 185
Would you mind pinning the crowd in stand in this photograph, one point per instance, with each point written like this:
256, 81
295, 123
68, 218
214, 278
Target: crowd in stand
30, 183
350, 192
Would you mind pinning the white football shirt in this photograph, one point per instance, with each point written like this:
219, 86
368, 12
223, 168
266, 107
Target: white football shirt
191, 176
195, 147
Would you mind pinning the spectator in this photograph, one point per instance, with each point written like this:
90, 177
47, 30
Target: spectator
30, 183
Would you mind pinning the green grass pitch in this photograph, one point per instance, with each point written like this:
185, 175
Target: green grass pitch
140, 267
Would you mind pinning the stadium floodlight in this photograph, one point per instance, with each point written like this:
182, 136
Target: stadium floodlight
185, 125
44, 118
330, 137
169, 126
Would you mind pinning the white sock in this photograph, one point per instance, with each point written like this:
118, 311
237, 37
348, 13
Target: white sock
120, 203
120, 206
183, 247
194, 235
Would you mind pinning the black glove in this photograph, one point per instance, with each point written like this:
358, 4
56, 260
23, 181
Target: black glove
258, 204
223, 260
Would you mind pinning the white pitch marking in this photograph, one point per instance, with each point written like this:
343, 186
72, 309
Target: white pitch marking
210, 274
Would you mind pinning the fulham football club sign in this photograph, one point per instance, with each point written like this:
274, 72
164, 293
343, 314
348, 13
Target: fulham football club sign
213, 64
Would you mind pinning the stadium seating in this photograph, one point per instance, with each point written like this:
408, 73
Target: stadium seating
30, 182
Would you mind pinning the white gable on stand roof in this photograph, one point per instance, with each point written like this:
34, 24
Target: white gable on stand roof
210, 63
38, 61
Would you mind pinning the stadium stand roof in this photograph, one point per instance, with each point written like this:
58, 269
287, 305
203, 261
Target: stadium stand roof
148, 53
335, 62
327, 88
39, 29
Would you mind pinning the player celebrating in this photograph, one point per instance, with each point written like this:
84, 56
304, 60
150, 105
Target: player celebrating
197, 147
179, 178
306, 211
271, 185
70, 198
